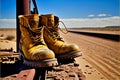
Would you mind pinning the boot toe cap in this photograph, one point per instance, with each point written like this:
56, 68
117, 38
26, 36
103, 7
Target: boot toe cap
73, 47
68, 48
43, 54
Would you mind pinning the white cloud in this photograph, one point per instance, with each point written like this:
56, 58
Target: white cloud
7, 23
99, 15
91, 15
91, 22
73, 22
102, 15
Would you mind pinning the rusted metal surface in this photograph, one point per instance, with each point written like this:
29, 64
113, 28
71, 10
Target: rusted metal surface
23, 7
26, 75
66, 70
8, 57
40, 74
26, 7
8, 50
8, 54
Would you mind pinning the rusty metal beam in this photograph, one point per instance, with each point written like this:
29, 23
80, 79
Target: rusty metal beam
26, 75
23, 8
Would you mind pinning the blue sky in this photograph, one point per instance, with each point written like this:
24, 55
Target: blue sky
79, 8
66, 8
7, 9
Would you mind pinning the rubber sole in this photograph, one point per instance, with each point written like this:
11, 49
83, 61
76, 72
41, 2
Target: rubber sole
39, 63
70, 55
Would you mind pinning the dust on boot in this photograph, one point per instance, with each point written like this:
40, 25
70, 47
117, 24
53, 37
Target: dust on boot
32, 45
53, 39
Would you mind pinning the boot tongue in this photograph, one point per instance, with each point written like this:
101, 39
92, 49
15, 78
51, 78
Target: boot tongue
33, 21
52, 22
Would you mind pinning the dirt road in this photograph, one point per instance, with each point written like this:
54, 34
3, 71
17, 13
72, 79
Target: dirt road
102, 54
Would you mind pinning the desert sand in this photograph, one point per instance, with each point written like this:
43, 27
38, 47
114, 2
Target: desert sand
8, 39
100, 57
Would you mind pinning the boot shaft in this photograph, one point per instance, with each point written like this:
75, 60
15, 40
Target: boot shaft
49, 20
31, 21
31, 33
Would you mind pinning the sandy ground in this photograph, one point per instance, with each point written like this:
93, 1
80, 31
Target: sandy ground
8, 39
100, 60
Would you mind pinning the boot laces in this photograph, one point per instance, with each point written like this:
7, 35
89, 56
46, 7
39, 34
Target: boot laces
35, 35
54, 31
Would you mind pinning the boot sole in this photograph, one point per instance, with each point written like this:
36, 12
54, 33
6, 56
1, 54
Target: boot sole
39, 63
69, 55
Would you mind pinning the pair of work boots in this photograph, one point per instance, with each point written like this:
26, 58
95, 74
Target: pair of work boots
40, 42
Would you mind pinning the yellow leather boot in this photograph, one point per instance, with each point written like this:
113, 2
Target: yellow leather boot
54, 41
32, 45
